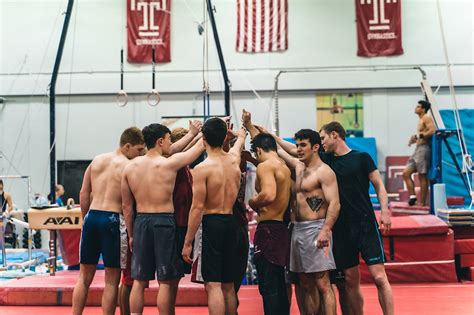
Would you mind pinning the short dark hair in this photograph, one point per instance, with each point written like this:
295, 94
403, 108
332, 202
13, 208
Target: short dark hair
1, 182
153, 132
425, 105
264, 141
215, 131
309, 134
131, 135
336, 127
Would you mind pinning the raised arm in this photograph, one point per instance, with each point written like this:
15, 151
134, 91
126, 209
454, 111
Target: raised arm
289, 147
180, 160
197, 210
289, 160
85, 197
236, 150
178, 146
331, 194
193, 142
267, 194
385, 220
127, 206
247, 123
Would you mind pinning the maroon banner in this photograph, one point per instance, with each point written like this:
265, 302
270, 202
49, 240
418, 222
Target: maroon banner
379, 27
148, 25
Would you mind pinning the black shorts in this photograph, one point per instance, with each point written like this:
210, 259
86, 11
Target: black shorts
180, 236
154, 248
354, 238
219, 247
241, 255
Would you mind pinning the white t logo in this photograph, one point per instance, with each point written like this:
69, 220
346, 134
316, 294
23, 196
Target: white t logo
379, 22
148, 29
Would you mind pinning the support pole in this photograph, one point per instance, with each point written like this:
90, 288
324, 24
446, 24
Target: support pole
221, 58
52, 124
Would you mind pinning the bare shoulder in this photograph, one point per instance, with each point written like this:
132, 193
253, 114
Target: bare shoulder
427, 119
102, 159
326, 173
265, 165
203, 168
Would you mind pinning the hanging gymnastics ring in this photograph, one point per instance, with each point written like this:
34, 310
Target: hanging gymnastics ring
121, 98
153, 98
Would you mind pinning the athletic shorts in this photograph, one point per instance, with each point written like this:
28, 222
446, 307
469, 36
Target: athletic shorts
305, 256
127, 272
180, 236
354, 238
219, 247
421, 159
241, 255
104, 232
154, 248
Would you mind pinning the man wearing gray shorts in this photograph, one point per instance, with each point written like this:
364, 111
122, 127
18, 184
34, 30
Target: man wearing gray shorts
316, 210
421, 158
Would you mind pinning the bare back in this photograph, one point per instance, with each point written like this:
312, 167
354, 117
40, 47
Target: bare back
106, 174
151, 180
282, 176
222, 180
311, 203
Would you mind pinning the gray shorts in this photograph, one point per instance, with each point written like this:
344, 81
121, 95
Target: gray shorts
421, 159
305, 257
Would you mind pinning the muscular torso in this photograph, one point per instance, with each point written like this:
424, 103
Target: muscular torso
151, 181
421, 128
282, 174
106, 174
308, 191
222, 183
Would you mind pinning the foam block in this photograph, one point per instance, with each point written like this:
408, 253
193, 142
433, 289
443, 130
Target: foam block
470, 274
402, 208
464, 246
416, 225
466, 260
455, 201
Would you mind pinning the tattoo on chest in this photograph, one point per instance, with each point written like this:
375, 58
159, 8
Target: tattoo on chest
314, 203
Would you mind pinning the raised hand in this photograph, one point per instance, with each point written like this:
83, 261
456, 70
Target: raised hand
246, 117
195, 126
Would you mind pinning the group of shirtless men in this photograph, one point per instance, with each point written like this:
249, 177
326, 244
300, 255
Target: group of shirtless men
314, 218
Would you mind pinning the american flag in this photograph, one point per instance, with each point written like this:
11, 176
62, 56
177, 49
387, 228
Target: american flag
262, 26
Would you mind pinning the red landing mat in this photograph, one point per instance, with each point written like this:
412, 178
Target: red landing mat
417, 249
57, 290
464, 246
416, 225
401, 208
470, 274
466, 260
409, 299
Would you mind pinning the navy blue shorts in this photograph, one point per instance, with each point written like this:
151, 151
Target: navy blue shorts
104, 232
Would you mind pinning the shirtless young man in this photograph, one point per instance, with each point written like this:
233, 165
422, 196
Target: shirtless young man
215, 187
421, 158
271, 237
148, 181
103, 230
317, 208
